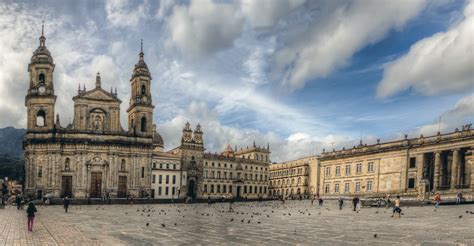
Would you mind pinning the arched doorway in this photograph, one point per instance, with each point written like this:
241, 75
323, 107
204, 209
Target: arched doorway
191, 189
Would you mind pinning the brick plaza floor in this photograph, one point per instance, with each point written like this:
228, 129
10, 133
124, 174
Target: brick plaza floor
296, 222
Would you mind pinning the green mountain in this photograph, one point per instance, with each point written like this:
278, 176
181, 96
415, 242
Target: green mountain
11, 153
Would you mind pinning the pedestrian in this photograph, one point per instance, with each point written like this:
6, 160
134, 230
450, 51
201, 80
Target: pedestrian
388, 201
359, 205
18, 201
312, 199
396, 208
355, 201
66, 203
31, 215
459, 198
320, 201
208, 200
231, 201
341, 203
437, 200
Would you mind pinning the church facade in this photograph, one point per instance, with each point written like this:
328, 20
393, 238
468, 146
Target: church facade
94, 155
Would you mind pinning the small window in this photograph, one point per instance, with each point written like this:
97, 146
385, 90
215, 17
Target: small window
41, 79
153, 180
359, 168
160, 179
338, 170
40, 172
348, 170
167, 179
370, 167
369, 185
143, 172
205, 188
167, 166
143, 90
159, 190
167, 190
174, 179
328, 171
412, 162
411, 183
346, 187
336, 188
224, 189
143, 124
326, 189
212, 188
357, 187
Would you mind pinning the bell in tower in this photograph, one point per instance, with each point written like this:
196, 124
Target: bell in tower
40, 99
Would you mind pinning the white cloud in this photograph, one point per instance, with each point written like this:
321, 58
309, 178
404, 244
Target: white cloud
333, 31
217, 135
441, 63
265, 13
121, 13
460, 114
204, 27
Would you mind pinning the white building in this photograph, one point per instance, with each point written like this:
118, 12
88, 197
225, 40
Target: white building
167, 176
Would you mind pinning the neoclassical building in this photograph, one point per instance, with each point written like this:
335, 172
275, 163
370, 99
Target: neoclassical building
440, 163
232, 173
294, 178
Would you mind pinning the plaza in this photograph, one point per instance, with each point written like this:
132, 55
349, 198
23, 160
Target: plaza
254, 223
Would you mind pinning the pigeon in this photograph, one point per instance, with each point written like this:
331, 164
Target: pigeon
375, 235
242, 220
232, 219
248, 222
258, 222
175, 224
460, 216
163, 225
147, 224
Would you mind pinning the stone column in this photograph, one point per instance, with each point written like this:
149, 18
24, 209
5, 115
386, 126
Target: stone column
437, 172
470, 166
420, 167
454, 169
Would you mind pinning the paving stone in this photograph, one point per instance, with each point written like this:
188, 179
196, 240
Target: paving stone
90, 225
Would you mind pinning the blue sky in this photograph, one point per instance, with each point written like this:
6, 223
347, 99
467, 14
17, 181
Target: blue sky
300, 75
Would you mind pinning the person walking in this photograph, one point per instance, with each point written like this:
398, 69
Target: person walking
66, 204
355, 201
437, 200
312, 200
459, 198
30, 211
341, 203
321, 201
18, 201
396, 208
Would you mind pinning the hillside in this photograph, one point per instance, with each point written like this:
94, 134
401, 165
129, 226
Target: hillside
11, 153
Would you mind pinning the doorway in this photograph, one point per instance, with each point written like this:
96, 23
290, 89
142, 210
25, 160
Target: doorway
122, 187
191, 189
96, 185
237, 195
66, 186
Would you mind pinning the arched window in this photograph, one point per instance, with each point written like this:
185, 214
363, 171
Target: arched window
41, 79
66, 164
143, 90
143, 125
41, 118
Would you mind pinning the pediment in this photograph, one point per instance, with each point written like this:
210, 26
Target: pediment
98, 94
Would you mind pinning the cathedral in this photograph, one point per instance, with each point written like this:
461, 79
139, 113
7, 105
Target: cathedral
95, 155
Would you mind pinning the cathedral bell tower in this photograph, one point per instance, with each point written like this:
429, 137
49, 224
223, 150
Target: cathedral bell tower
140, 111
40, 99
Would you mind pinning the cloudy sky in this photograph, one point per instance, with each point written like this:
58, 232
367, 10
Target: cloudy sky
301, 75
